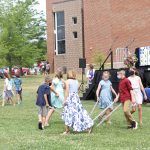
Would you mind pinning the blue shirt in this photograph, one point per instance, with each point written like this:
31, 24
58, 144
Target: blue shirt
18, 83
42, 90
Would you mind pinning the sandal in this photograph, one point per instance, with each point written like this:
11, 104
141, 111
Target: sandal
66, 133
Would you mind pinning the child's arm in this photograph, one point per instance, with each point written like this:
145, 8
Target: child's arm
142, 89
98, 91
52, 89
64, 83
132, 96
117, 98
46, 100
130, 89
113, 91
66, 92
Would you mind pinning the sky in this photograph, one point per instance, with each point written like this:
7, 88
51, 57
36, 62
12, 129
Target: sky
42, 6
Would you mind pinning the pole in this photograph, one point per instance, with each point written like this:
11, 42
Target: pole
112, 66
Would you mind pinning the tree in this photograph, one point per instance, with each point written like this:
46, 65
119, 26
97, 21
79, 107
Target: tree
98, 57
22, 33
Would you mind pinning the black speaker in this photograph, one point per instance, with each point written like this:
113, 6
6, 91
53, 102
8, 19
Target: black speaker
82, 63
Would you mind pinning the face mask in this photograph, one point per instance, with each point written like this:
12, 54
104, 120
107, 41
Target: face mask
132, 73
118, 76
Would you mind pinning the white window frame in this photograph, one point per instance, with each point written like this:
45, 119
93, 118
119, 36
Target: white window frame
56, 37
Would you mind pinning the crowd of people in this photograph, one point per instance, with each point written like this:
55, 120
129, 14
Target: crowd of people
11, 85
51, 95
57, 93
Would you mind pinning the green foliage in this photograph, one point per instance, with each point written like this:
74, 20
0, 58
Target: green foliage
22, 33
98, 57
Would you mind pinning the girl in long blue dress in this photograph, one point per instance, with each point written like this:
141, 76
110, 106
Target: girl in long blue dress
74, 115
104, 94
58, 84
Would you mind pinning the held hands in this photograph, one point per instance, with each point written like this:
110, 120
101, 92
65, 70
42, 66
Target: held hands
133, 101
56, 94
47, 105
116, 99
98, 99
64, 103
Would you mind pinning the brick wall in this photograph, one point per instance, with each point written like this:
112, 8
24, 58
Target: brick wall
74, 47
107, 19
104, 20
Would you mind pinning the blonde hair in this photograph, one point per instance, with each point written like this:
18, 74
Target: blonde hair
106, 73
48, 79
71, 74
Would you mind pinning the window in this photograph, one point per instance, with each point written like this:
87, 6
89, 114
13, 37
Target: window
75, 34
59, 30
74, 20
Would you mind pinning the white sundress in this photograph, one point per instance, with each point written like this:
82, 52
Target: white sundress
135, 82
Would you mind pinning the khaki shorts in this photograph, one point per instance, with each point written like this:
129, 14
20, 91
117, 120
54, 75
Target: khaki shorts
43, 110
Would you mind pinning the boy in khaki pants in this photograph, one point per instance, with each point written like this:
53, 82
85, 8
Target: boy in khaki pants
126, 96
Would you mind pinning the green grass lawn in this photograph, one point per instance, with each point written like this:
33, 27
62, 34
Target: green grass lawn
18, 128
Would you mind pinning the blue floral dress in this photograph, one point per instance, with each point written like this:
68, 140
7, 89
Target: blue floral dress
105, 94
58, 86
74, 115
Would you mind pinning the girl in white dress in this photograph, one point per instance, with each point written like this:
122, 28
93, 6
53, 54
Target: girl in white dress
138, 92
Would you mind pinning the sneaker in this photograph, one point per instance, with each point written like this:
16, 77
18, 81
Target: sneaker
66, 133
90, 130
134, 125
129, 127
40, 126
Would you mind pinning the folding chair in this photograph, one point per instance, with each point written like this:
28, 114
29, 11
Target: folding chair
108, 115
101, 113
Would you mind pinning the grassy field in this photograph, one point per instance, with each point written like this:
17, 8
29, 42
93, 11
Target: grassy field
18, 128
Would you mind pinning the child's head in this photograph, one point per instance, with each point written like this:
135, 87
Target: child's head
6, 75
59, 73
106, 75
48, 80
121, 74
133, 71
91, 67
71, 74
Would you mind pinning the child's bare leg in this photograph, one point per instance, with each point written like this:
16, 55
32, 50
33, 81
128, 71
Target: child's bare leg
40, 118
50, 113
67, 130
3, 102
20, 96
140, 113
108, 111
43, 120
12, 101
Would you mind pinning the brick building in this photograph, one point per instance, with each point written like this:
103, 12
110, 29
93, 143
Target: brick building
76, 28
